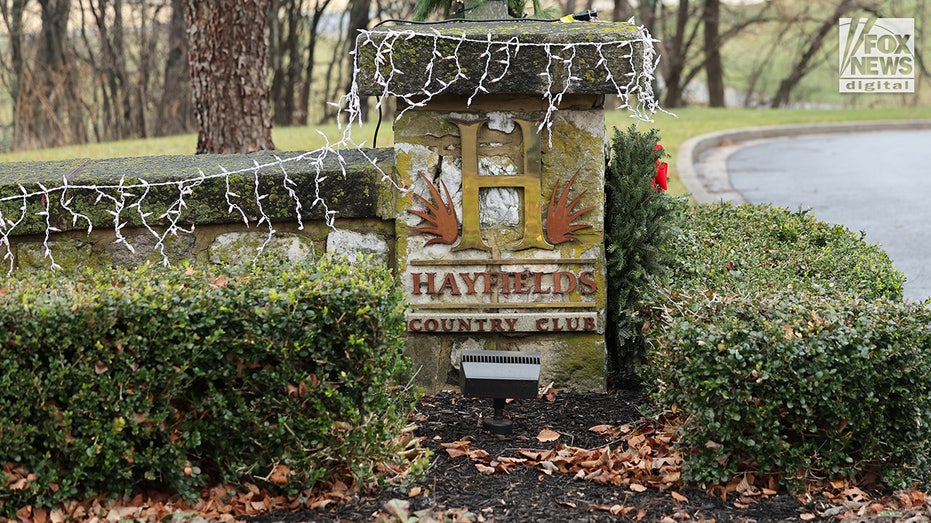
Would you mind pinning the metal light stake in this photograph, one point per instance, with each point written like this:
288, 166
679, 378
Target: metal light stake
499, 375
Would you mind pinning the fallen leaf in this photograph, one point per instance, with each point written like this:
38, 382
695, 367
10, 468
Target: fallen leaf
279, 476
485, 469
220, 281
808, 516
456, 452
548, 467
100, 367
600, 429
478, 454
679, 497
547, 435
4, 291
321, 503
414, 492
637, 487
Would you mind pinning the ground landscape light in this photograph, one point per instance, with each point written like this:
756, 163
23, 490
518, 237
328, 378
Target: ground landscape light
499, 375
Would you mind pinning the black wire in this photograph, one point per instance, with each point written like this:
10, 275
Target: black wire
468, 20
377, 126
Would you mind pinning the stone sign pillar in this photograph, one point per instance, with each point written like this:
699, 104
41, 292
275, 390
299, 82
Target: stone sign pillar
501, 142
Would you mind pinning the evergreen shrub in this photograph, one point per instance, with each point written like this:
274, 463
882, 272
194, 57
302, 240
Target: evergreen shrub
173, 378
640, 223
788, 348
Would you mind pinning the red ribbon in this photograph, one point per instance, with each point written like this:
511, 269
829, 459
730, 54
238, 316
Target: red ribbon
662, 170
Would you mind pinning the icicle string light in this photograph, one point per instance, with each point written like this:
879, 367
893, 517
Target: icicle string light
126, 201
561, 56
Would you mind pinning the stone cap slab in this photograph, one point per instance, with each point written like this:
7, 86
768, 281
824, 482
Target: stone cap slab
514, 57
144, 188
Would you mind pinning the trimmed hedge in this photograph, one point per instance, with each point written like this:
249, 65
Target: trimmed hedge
786, 344
117, 380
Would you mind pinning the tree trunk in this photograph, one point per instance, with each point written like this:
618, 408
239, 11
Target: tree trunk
675, 55
51, 114
622, 11
228, 60
13, 20
175, 115
714, 69
303, 101
358, 20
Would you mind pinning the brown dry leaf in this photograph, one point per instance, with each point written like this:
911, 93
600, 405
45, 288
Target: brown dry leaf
547, 435
279, 476
679, 497
667, 519
189, 271
100, 367
3, 291
321, 503
808, 516
548, 467
414, 492
478, 454
220, 281
485, 469
601, 429
637, 487
456, 452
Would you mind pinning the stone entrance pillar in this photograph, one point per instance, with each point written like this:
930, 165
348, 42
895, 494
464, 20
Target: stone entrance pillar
501, 142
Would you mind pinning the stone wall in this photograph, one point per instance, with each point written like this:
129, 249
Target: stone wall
497, 239
83, 195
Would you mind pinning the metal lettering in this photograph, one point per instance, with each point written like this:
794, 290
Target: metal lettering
530, 181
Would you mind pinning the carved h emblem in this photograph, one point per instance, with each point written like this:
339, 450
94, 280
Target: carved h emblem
441, 214
530, 181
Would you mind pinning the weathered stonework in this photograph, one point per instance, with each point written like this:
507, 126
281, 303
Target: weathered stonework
558, 306
600, 64
353, 190
500, 242
348, 244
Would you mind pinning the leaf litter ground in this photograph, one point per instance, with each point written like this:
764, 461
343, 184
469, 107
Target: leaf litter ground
577, 457
572, 457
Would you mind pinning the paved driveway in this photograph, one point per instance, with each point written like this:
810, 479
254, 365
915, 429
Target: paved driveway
876, 182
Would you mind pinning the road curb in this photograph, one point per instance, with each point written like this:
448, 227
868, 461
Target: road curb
702, 160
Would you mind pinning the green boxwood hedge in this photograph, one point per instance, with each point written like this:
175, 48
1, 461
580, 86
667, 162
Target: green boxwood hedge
786, 344
116, 380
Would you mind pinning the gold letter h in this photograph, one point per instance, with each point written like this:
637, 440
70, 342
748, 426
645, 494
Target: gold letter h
530, 181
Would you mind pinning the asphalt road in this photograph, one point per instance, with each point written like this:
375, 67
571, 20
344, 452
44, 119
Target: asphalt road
875, 182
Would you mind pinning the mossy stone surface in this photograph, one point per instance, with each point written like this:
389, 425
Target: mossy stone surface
353, 188
520, 52
68, 253
234, 248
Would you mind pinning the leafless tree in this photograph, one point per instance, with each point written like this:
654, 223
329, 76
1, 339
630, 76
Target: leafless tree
714, 68
811, 45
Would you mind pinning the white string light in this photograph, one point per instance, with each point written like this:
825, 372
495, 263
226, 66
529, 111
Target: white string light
123, 204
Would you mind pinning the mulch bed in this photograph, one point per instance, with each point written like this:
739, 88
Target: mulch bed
455, 488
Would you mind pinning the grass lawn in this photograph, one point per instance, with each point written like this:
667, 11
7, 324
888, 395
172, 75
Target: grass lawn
674, 130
